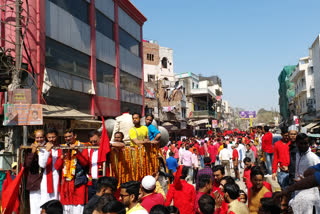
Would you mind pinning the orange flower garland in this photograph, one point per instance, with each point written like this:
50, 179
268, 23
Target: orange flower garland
137, 163
119, 168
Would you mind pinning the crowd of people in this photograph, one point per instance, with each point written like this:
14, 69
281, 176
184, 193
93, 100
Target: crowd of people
279, 177
223, 172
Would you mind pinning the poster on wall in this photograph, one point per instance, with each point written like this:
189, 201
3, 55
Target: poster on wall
22, 114
214, 123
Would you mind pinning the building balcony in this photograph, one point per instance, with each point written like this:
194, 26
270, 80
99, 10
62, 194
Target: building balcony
204, 114
300, 91
297, 74
201, 92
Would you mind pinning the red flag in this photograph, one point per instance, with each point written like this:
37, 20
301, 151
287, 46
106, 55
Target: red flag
176, 182
104, 148
6, 182
9, 203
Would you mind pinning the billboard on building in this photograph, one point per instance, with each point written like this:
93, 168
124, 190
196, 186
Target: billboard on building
247, 114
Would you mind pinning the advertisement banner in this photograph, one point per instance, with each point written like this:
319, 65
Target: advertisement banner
22, 114
247, 114
214, 123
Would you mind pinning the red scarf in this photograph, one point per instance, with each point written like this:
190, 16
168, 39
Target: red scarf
49, 174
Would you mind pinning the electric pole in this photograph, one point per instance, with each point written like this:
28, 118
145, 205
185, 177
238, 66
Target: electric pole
14, 132
18, 58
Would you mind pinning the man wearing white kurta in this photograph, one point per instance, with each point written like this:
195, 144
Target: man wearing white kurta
47, 158
93, 174
305, 200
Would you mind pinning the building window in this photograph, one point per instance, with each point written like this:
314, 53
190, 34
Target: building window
151, 78
133, 108
105, 72
310, 70
192, 84
64, 58
150, 57
104, 25
164, 62
128, 42
77, 8
130, 83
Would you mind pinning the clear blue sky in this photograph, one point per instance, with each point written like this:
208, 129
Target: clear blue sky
245, 42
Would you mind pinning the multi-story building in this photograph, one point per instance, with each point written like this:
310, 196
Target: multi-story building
304, 100
169, 107
226, 114
286, 92
84, 54
158, 62
314, 52
201, 100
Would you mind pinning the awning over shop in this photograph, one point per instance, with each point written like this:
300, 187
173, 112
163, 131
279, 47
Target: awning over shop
315, 127
310, 125
86, 124
198, 122
314, 135
50, 111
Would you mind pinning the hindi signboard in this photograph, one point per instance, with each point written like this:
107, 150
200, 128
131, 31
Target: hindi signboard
19, 96
22, 114
247, 114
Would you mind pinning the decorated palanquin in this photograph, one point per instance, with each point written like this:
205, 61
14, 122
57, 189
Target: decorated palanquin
133, 163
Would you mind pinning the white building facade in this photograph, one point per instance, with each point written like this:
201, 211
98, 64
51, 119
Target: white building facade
304, 99
158, 63
314, 53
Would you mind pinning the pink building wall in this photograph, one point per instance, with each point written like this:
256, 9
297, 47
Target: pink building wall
35, 44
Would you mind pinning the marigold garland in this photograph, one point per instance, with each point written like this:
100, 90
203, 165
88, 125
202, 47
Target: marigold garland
69, 165
133, 163
136, 163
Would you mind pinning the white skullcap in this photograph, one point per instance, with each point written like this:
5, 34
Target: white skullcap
149, 182
292, 128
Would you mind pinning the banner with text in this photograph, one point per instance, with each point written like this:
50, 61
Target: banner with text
22, 114
247, 114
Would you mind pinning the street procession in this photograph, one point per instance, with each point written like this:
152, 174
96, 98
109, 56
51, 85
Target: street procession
171, 107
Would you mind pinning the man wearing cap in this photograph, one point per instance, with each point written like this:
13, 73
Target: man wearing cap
14, 170
149, 197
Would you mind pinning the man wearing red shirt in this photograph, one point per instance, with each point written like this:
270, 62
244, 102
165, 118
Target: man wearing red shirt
205, 187
281, 159
182, 193
149, 197
235, 159
218, 174
246, 175
212, 150
267, 148
254, 149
